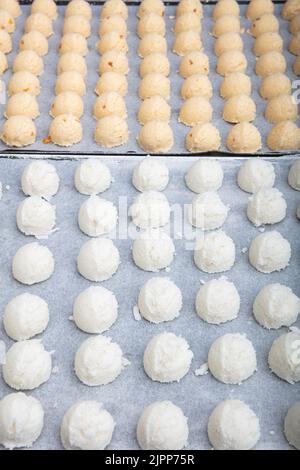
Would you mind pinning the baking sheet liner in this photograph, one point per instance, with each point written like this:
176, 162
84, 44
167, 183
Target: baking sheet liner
126, 397
87, 145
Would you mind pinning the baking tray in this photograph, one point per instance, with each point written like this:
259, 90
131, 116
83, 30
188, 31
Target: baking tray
87, 146
126, 397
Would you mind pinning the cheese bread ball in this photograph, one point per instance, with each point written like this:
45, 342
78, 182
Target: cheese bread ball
203, 138
154, 84
294, 175
230, 62
114, 7
150, 43
267, 42
39, 22
7, 21
78, 7
155, 63
296, 66
32, 263
151, 6
155, 108
113, 61
71, 61
92, 177
151, 23
150, 209
194, 62
207, 211
77, 24
236, 83
281, 108
267, 206
291, 425
284, 136
112, 40
226, 24
270, 63
196, 85
39, 178
275, 85
18, 131
98, 259
5, 42
153, 250
205, 174
111, 131
257, 8
70, 81
109, 103
156, 136
195, 110
112, 23
22, 104
188, 21
150, 174
239, 108
214, 252
73, 42
67, 102
35, 216
35, 41
244, 137
28, 60
97, 216
290, 9
65, 130
269, 252
48, 7
112, 81
255, 174
189, 6
228, 42
12, 6
226, 7
186, 42
159, 300
267, 23
294, 25
3, 63
294, 44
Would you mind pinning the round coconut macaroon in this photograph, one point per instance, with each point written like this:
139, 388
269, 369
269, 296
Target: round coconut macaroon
92, 177
230, 62
270, 63
150, 209
77, 24
239, 108
71, 61
28, 60
267, 42
70, 81
226, 7
236, 83
228, 42
39, 22
189, 6
18, 131
269, 252
7, 21
114, 7
194, 62
159, 300
65, 130
151, 23
255, 174
98, 259
112, 81
97, 216
111, 131
196, 85
226, 24
12, 6
112, 40
154, 84
152, 42
109, 103
155, 63
35, 41
204, 175
151, 6
203, 138
195, 110
290, 9
113, 61
283, 360
266, 206
153, 250
67, 102
35, 216
150, 174
294, 175
40, 178
22, 104
281, 108
275, 85
156, 136
244, 137
5, 42
207, 211
112, 23
48, 7
79, 7
187, 41
155, 108
188, 21
294, 44
266, 23
257, 8
214, 252
73, 42
32, 263
291, 425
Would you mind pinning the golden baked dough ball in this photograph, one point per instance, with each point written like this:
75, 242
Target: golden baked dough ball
267, 23
34, 41
274, 85
156, 136
150, 43
24, 81
187, 22
39, 22
112, 81
109, 103
294, 25
3, 63
155, 108
67, 102
228, 42
113, 61
243, 138
189, 6
270, 63
5, 42
194, 62
226, 24
294, 44
73, 42
79, 7
196, 85
154, 84
18, 131
290, 9
65, 130
257, 8
30, 61
284, 136
151, 23
226, 7
296, 66
7, 21
195, 110
236, 83
281, 108
112, 40
111, 131
71, 61
77, 24
151, 6
186, 42
12, 6
47, 7
22, 104
239, 108
155, 63
70, 81
267, 42
203, 138
112, 23
231, 61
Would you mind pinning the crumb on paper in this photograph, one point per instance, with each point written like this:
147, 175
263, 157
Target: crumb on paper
272, 433
71, 318
136, 313
171, 17
168, 269
244, 250
2, 352
55, 370
202, 370
126, 362
202, 281
261, 229
7, 187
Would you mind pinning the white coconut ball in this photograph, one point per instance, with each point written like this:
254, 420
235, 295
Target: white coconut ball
35, 216
32, 263
167, 358
153, 250
207, 211
204, 175
97, 216
150, 175
294, 175
256, 174
27, 365
214, 252
284, 357
275, 306
298, 212
25, 316
269, 252
21, 420
99, 361
292, 425
40, 179
98, 259
95, 309
267, 206
150, 209
92, 177
159, 300
218, 301
233, 426
232, 358
162, 426
86, 426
